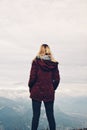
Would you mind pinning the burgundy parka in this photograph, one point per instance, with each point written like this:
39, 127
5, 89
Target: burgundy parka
44, 80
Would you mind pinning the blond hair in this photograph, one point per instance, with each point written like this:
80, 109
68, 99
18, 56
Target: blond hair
45, 50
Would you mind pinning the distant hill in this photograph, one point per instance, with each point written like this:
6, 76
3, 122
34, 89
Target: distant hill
17, 115
80, 129
11, 114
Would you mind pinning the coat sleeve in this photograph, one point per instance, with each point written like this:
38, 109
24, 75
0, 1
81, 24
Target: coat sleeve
56, 78
33, 75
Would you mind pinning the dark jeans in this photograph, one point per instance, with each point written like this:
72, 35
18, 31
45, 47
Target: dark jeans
36, 106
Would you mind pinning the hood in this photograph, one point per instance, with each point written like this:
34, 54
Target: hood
47, 65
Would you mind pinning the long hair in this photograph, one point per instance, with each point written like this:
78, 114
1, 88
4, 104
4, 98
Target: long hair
45, 50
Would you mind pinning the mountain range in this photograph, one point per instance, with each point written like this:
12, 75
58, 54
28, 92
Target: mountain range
17, 115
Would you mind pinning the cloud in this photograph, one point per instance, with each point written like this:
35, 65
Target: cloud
72, 90
65, 90
25, 25
31, 22
15, 92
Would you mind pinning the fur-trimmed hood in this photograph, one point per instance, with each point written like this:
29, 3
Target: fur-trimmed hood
46, 64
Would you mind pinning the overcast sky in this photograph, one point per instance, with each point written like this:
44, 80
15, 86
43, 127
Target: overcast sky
26, 24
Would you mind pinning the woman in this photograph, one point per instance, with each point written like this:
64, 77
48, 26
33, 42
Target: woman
43, 81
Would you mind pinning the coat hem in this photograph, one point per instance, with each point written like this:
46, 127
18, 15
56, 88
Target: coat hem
40, 100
